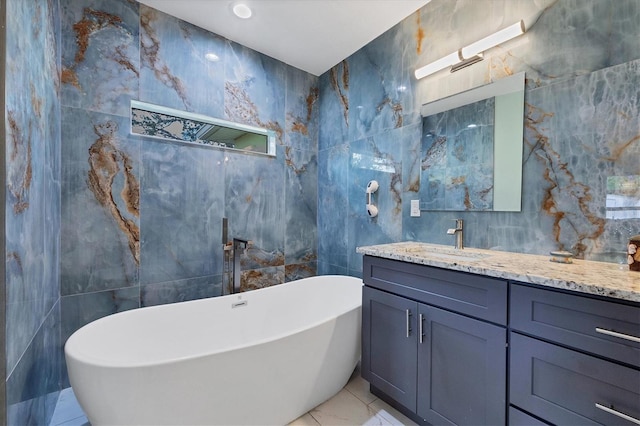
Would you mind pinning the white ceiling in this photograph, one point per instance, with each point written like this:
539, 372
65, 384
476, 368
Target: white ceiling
312, 35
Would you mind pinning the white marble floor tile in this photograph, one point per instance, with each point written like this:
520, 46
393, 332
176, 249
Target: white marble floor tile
393, 416
346, 409
360, 388
306, 420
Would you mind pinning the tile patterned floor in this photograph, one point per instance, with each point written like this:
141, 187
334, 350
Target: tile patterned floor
353, 405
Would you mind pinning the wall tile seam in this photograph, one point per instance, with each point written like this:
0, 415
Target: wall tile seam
64, 296
177, 280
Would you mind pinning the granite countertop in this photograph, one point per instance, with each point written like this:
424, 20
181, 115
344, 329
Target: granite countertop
600, 278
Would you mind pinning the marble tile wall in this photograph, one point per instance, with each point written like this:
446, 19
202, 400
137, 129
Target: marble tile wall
32, 210
141, 220
581, 59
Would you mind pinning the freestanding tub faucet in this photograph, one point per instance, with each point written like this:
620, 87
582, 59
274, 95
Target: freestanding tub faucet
457, 231
238, 244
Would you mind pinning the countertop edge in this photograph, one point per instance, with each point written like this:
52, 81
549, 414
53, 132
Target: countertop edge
501, 265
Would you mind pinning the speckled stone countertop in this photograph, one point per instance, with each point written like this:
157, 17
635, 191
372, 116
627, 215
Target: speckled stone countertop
601, 278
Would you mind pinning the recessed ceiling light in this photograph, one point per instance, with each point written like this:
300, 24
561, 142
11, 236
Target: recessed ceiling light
242, 10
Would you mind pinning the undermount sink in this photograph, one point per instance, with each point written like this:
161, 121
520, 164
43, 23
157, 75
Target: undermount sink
446, 253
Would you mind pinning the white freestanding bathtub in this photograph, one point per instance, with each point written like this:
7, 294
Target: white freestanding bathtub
261, 357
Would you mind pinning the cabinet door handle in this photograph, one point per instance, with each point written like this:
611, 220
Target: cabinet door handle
408, 311
618, 413
618, 335
420, 330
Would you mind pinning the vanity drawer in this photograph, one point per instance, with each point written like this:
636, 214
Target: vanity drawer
474, 295
601, 327
563, 386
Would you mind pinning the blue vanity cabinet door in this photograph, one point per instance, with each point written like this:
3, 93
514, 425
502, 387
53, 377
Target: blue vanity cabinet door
563, 386
461, 370
389, 345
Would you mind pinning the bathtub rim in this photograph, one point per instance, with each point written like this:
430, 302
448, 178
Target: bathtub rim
107, 363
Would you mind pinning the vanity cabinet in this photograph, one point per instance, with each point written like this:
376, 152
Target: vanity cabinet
434, 341
574, 359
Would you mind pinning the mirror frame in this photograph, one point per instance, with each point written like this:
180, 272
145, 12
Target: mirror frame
508, 143
144, 106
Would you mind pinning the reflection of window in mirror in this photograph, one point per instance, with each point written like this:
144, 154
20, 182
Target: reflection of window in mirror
471, 157
169, 124
623, 197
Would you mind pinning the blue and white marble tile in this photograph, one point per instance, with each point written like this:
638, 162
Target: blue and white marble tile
176, 71
100, 244
254, 279
182, 206
333, 205
302, 110
255, 88
301, 206
585, 36
32, 170
254, 206
624, 46
334, 107
382, 99
33, 385
100, 54
575, 127
300, 270
180, 290
53, 158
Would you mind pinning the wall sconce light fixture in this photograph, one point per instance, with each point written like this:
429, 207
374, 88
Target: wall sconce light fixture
472, 53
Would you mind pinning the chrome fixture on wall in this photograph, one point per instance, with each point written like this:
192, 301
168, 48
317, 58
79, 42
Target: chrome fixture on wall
231, 259
372, 187
472, 53
457, 231
238, 244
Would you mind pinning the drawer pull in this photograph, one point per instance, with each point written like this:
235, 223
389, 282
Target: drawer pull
618, 413
618, 335
420, 330
408, 311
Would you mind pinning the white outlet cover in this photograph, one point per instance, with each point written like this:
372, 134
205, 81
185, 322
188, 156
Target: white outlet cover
415, 208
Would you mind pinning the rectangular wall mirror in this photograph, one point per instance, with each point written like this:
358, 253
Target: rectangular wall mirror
175, 125
472, 142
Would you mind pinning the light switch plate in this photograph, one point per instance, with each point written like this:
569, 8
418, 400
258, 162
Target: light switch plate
415, 208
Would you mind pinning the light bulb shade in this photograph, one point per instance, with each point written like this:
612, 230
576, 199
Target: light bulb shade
462, 56
436, 66
494, 39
